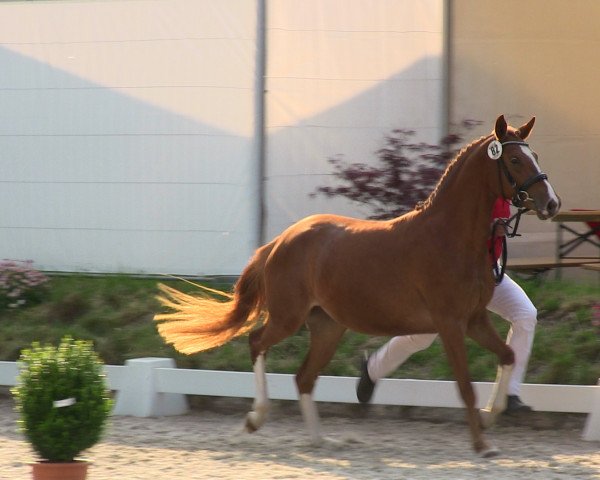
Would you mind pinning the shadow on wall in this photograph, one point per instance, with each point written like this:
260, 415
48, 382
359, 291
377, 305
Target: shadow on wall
97, 180
297, 154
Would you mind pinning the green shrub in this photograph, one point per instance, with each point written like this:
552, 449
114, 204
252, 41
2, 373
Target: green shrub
62, 399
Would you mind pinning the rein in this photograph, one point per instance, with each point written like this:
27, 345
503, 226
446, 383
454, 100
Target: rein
499, 264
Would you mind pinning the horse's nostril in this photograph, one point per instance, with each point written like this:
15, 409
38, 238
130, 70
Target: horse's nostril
552, 207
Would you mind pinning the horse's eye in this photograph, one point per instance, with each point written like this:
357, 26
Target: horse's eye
515, 161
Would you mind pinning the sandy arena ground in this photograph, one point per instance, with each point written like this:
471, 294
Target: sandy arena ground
372, 444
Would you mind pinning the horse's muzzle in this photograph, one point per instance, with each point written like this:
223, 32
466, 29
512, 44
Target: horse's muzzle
550, 210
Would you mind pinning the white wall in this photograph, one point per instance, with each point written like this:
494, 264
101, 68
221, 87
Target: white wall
126, 135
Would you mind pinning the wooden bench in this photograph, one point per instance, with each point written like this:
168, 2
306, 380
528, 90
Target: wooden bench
542, 264
592, 266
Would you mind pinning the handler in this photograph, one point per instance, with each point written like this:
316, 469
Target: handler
509, 301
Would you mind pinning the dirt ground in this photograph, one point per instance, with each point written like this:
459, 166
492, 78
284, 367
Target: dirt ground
369, 443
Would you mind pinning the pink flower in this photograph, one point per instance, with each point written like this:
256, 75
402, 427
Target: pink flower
17, 279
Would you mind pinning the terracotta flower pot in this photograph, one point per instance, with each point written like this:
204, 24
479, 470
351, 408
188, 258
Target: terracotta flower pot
76, 470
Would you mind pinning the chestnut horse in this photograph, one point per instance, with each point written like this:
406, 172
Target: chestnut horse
426, 271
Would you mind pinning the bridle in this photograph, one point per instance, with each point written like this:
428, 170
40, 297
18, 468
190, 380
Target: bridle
520, 196
518, 200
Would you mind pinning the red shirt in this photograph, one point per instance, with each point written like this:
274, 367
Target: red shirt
501, 209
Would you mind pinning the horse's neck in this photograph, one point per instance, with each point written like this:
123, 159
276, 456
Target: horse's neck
465, 198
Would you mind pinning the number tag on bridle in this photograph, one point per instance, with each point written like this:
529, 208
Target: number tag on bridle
495, 150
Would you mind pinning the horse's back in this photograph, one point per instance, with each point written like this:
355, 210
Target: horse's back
304, 245
324, 238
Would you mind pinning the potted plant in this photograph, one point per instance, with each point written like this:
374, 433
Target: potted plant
63, 404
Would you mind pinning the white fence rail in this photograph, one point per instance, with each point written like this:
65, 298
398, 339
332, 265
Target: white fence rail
154, 387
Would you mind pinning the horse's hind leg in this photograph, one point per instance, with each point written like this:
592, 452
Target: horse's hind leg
260, 407
325, 334
261, 340
483, 332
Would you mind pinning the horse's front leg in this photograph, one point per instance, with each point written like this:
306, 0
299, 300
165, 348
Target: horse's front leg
497, 402
483, 332
454, 343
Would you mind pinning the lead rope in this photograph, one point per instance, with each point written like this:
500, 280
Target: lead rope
499, 263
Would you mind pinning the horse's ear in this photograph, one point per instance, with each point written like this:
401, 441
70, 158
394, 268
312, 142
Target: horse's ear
501, 128
525, 130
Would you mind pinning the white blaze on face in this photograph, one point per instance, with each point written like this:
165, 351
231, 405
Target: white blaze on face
551, 193
527, 151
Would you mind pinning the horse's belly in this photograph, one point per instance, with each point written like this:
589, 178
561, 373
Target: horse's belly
380, 314
382, 326
399, 305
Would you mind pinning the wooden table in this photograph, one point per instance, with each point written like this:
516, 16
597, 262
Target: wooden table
591, 235
548, 263
562, 258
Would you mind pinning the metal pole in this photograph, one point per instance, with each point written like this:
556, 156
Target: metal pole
259, 118
446, 67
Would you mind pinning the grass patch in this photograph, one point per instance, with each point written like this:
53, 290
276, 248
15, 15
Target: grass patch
115, 312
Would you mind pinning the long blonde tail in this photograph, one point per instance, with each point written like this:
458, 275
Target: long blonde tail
199, 322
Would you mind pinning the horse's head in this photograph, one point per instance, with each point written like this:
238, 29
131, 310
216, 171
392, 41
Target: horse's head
519, 174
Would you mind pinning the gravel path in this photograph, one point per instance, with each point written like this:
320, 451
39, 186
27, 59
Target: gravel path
378, 443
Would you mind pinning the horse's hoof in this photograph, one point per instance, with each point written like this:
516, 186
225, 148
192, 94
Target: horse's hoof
327, 443
489, 452
332, 442
487, 417
249, 427
252, 424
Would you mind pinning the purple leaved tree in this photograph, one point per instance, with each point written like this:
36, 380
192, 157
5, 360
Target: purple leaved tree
404, 174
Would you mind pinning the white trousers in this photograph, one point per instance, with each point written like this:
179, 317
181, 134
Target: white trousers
509, 301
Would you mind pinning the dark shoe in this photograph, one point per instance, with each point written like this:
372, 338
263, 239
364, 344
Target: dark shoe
365, 386
514, 405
